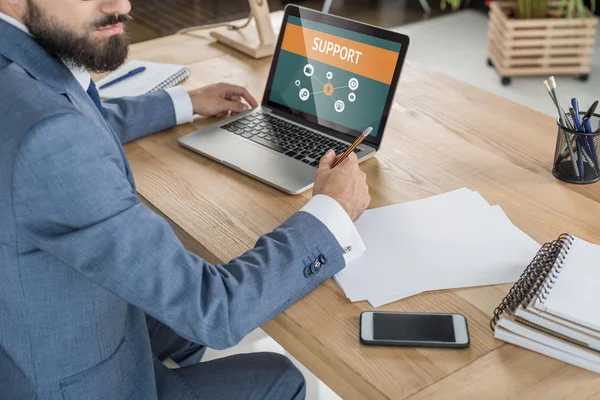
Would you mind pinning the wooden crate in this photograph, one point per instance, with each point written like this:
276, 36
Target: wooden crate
548, 46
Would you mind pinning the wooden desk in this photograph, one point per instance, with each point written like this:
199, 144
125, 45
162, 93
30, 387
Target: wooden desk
442, 135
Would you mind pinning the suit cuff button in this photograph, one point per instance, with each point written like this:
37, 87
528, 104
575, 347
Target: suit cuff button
315, 267
322, 259
307, 271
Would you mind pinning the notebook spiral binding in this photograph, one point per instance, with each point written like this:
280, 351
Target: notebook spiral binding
548, 261
172, 81
556, 270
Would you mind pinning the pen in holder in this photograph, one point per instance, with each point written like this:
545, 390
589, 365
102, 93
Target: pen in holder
577, 153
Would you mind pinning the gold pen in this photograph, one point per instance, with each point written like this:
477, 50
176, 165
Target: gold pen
351, 148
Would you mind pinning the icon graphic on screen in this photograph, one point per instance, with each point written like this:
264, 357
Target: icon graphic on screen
328, 88
304, 94
309, 70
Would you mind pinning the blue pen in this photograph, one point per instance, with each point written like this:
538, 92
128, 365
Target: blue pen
122, 78
575, 105
590, 139
578, 142
583, 140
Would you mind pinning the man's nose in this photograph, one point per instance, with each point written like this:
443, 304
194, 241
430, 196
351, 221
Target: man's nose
120, 7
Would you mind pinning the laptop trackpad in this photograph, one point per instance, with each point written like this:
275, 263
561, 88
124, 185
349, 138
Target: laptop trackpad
248, 156
231, 150
290, 173
252, 158
276, 168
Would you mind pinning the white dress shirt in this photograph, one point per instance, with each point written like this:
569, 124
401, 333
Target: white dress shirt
322, 207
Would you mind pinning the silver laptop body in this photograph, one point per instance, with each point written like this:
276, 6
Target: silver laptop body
270, 166
243, 142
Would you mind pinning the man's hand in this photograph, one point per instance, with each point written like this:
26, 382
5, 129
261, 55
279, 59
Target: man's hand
346, 183
220, 99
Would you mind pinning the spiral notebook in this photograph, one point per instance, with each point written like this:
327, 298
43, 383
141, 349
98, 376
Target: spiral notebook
156, 77
554, 307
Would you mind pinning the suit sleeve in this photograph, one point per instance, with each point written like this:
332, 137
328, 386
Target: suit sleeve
135, 117
72, 200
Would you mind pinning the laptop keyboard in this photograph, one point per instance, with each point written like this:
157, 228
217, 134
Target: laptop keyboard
286, 138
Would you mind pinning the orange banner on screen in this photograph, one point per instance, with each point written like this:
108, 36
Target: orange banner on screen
360, 58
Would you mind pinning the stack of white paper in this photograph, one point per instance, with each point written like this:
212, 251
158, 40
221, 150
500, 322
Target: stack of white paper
442, 242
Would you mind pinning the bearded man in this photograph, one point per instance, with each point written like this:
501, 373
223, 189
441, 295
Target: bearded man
96, 290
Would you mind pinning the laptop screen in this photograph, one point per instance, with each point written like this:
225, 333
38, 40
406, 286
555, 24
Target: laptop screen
340, 77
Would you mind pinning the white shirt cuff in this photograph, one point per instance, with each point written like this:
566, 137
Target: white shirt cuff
184, 111
337, 220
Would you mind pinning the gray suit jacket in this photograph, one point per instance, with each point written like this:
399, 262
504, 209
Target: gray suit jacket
82, 260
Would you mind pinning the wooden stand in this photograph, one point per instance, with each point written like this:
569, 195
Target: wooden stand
549, 46
257, 39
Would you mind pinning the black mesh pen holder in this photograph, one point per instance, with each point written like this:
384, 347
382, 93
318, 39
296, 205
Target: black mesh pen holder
577, 153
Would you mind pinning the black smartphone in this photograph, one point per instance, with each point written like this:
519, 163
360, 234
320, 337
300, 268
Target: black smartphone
414, 329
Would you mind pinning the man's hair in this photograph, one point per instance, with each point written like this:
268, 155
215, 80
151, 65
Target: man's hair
75, 50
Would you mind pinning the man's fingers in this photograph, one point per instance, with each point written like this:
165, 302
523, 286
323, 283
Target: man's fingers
233, 106
327, 160
351, 160
246, 107
241, 91
249, 98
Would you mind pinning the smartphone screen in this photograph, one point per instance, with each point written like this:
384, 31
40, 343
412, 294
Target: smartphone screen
413, 327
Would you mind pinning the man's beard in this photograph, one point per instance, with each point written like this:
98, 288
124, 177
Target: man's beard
73, 50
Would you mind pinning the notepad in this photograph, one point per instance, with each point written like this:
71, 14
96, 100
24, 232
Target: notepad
548, 345
156, 77
572, 291
554, 308
447, 241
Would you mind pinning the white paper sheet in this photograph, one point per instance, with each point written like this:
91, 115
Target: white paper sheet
442, 242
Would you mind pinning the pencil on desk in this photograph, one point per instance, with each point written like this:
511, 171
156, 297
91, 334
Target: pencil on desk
553, 89
561, 113
565, 122
354, 145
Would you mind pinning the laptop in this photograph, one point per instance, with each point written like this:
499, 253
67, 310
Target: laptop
330, 79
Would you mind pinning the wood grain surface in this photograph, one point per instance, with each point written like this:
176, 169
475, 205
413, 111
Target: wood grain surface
442, 135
